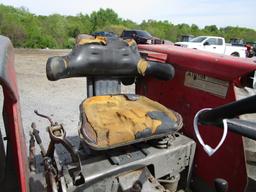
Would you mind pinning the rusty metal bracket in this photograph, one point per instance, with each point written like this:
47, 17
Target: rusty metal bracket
58, 136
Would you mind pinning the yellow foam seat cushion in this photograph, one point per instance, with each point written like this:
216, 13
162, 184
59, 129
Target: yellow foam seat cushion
112, 120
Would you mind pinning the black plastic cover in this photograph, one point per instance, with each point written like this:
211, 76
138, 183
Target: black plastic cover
116, 58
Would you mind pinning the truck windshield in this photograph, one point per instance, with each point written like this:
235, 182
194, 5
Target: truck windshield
198, 39
143, 34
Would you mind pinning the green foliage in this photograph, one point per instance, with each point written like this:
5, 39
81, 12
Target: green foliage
117, 29
102, 18
57, 31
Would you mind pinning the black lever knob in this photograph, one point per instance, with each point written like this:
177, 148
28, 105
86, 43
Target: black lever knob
221, 185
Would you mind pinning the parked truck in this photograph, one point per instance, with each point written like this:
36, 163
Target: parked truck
215, 45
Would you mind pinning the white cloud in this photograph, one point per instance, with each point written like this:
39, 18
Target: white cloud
200, 12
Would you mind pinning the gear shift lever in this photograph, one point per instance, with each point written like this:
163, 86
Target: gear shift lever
221, 185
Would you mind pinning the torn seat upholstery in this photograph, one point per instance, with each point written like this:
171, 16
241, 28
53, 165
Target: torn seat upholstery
116, 120
109, 120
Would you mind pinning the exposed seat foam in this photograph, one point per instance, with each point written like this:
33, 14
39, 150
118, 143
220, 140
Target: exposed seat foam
120, 119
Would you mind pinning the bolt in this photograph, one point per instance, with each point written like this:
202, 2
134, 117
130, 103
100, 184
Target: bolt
137, 187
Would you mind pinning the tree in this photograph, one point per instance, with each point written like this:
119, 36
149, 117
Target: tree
102, 18
211, 28
57, 31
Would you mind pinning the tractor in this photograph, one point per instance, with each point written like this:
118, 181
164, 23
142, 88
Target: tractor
179, 132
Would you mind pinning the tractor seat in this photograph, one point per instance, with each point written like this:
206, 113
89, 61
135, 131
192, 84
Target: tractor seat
115, 120
108, 118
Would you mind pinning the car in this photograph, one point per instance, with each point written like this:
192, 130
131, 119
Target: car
105, 34
141, 37
186, 38
109, 35
214, 44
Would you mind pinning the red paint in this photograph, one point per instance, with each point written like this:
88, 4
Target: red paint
17, 140
13, 120
228, 162
215, 65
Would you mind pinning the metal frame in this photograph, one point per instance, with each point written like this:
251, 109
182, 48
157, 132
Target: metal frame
98, 168
229, 161
16, 160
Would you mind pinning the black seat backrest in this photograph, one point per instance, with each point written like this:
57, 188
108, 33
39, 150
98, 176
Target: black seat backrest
105, 62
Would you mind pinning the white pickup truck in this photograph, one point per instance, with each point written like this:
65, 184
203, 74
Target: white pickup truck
215, 45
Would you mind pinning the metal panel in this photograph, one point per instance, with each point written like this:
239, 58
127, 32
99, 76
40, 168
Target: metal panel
16, 158
214, 65
99, 169
229, 161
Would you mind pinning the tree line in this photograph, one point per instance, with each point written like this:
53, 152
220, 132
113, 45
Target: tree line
58, 31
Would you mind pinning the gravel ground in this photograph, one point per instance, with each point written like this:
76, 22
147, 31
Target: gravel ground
249, 144
58, 99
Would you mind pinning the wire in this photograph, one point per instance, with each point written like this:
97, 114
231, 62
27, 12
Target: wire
208, 149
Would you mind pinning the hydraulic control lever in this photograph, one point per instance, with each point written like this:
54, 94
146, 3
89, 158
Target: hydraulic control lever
58, 136
225, 116
242, 127
44, 116
50, 170
229, 112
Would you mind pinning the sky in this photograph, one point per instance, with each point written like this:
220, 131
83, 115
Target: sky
200, 12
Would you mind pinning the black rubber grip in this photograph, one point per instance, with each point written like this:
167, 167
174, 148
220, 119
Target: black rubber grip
161, 71
242, 127
55, 68
228, 111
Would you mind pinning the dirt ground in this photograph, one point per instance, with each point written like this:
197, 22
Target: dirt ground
58, 99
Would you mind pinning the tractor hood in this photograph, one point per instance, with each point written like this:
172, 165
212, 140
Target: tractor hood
204, 62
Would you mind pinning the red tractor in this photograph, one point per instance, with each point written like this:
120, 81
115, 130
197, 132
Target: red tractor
148, 141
